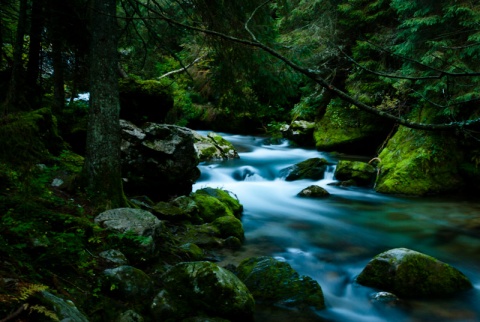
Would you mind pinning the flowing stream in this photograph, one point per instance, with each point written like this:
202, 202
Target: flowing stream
332, 239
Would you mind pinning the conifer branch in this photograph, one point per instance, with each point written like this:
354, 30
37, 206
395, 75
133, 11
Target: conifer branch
315, 76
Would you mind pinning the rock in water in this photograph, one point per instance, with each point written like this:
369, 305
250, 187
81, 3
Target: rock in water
314, 191
274, 282
410, 274
363, 174
313, 168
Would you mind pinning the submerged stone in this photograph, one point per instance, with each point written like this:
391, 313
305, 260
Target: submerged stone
410, 274
277, 283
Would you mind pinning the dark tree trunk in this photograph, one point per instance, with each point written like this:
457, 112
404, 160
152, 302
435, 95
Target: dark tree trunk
57, 35
33, 65
102, 169
58, 79
13, 101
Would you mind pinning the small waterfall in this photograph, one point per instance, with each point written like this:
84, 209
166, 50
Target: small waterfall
330, 173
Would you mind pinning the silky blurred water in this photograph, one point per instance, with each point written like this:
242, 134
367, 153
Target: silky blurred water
332, 239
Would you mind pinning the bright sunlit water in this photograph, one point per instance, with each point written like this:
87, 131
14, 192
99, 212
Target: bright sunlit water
332, 239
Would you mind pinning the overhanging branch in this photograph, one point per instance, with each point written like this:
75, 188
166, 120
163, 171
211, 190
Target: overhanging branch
315, 76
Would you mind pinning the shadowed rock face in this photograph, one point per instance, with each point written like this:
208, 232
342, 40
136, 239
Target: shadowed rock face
202, 287
273, 282
410, 274
313, 168
158, 160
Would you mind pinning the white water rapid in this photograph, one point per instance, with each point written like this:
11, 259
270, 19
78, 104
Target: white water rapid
332, 239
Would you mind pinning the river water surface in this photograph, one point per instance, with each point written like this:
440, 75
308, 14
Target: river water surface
332, 239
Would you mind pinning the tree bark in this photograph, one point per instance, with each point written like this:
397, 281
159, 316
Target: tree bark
13, 100
33, 65
102, 168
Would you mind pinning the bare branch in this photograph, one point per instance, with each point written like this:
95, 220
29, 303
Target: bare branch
250, 18
184, 68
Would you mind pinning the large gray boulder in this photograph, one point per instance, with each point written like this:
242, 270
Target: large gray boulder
202, 288
214, 147
158, 160
138, 230
277, 283
410, 274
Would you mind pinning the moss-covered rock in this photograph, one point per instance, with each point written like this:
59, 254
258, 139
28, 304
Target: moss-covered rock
171, 212
145, 100
419, 163
277, 283
210, 208
225, 197
206, 235
214, 147
128, 283
192, 251
313, 168
202, 288
348, 129
363, 174
410, 274
229, 226
29, 138
314, 191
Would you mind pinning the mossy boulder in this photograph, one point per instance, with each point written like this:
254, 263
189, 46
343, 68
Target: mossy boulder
225, 197
210, 208
347, 129
362, 173
214, 147
314, 191
229, 226
29, 138
202, 288
410, 274
145, 100
192, 251
136, 232
419, 163
206, 235
313, 169
276, 283
128, 283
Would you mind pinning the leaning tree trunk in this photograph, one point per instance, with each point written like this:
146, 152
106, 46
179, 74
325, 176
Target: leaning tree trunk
102, 169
